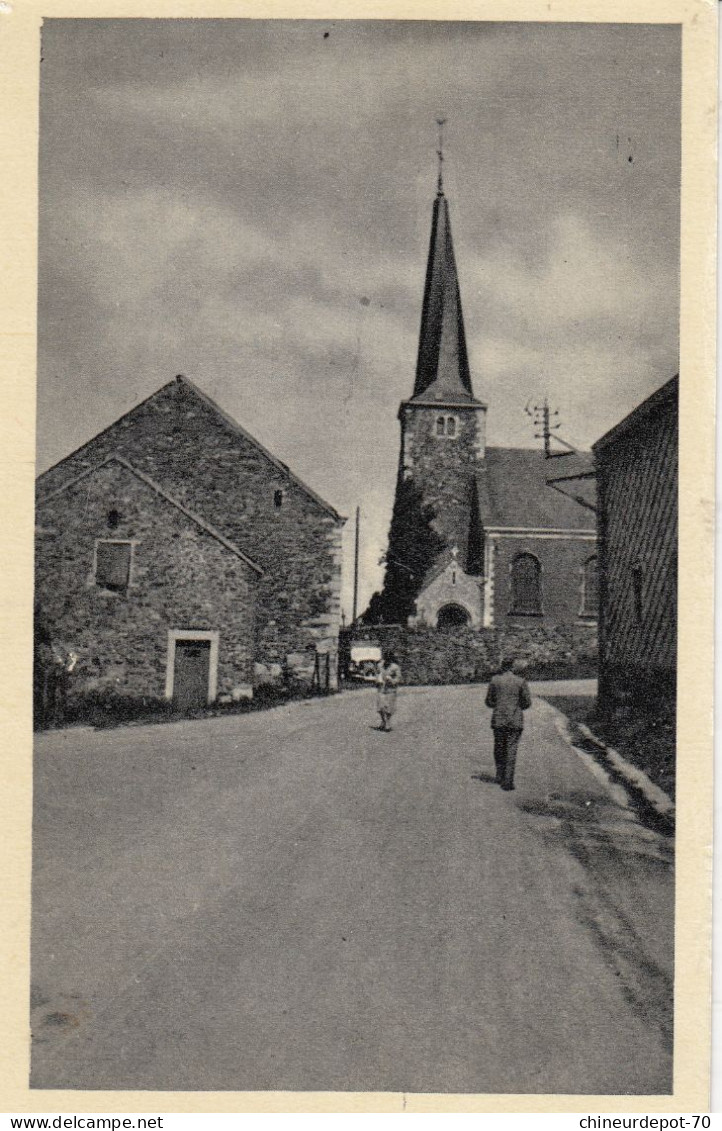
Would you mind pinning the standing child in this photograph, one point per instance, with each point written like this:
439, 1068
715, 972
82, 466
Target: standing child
389, 679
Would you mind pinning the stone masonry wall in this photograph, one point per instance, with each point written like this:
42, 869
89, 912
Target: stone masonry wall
186, 446
443, 466
181, 578
465, 655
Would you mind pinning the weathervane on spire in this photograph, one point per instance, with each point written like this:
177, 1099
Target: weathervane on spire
441, 122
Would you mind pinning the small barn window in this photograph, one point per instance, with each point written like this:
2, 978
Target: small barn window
278, 499
112, 565
590, 588
451, 426
113, 519
440, 426
638, 590
526, 593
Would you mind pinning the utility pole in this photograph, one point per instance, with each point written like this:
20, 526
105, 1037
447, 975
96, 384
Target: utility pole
542, 417
355, 567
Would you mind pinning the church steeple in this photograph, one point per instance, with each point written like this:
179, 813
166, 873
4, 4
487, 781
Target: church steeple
436, 524
442, 367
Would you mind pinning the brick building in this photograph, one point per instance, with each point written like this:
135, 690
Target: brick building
174, 539
510, 549
637, 486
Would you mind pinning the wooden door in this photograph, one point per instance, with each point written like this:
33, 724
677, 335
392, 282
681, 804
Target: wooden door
191, 674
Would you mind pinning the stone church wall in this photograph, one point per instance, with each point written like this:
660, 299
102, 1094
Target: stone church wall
181, 578
562, 574
451, 587
443, 466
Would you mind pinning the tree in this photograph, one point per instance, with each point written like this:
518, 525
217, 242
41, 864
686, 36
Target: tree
414, 545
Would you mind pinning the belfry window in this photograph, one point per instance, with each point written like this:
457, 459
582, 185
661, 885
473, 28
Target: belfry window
526, 590
447, 426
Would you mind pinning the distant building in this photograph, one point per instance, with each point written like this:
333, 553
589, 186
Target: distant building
637, 483
477, 537
177, 558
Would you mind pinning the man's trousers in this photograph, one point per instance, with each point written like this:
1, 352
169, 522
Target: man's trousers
506, 744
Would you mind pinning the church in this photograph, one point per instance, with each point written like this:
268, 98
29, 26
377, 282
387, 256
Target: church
479, 537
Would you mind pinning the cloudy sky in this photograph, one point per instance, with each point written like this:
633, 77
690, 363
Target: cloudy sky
249, 202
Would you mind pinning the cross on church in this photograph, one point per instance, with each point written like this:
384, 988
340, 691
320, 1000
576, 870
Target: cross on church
441, 122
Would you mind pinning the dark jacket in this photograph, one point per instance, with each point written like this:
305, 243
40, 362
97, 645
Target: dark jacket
509, 695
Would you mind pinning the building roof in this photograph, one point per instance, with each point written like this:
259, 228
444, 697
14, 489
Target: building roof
122, 462
667, 393
442, 367
514, 491
442, 562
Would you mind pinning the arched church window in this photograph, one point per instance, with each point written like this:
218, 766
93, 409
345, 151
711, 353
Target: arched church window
451, 426
526, 590
590, 588
440, 426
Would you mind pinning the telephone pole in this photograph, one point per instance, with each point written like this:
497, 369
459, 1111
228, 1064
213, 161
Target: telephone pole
355, 567
542, 417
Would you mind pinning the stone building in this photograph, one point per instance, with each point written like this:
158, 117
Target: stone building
174, 539
510, 549
637, 485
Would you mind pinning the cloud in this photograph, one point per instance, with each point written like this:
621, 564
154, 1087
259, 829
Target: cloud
249, 202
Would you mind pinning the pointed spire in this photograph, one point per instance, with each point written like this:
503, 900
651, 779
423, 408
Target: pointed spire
441, 122
442, 368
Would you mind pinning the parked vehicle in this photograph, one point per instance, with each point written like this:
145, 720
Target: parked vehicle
365, 660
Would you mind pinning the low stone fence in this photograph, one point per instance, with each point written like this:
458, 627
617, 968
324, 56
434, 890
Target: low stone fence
431, 656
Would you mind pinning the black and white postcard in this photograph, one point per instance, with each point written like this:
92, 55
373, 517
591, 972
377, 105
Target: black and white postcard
359, 633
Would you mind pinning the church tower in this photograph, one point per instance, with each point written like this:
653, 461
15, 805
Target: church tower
436, 526
443, 424
478, 538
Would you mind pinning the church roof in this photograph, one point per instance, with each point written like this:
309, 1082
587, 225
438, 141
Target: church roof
442, 367
514, 491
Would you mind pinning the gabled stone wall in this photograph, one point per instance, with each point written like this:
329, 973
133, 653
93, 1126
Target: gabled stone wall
189, 448
182, 578
452, 586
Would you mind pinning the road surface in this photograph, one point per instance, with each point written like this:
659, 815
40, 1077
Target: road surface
293, 900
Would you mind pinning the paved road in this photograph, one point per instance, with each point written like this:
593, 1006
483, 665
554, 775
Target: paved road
293, 900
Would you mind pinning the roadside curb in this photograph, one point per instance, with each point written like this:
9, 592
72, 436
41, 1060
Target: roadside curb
653, 795
618, 767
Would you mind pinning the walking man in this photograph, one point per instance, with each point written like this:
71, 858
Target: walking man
509, 696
